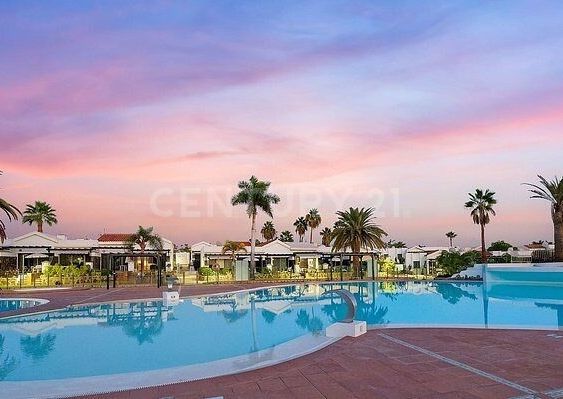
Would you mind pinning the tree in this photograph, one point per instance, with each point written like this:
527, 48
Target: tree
268, 231
481, 204
552, 191
254, 194
326, 235
387, 265
301, 226
395, 244
286, 236
313, 219
232, 248
452, 262
500, 246
451, 235
144, 238
356, 229
40, 212
11, 212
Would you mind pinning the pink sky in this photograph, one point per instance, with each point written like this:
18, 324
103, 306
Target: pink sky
109, 113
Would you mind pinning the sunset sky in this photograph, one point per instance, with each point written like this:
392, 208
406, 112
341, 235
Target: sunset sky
127, 113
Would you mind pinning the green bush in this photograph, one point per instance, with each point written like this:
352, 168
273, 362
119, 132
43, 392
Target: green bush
454, 262
55, 270
205, 271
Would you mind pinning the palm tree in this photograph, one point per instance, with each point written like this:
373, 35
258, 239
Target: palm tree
254, 194
268, 231
326, 236
552, 191
300, 227
144, 238
451, 235
356, 229
40, 212
481, 205
39, 346
286, 236
396, 244
11, 211
313, 219
232, 248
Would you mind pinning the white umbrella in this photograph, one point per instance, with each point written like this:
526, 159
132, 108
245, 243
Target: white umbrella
36, 256
8, 254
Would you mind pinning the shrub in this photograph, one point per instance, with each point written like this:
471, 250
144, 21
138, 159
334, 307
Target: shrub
205, 271
454, 262
54, 270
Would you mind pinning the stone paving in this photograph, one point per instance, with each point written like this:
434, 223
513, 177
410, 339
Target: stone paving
384, 363
494, 364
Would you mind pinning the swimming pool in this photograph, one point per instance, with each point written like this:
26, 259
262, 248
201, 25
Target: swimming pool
221, 334
8, 304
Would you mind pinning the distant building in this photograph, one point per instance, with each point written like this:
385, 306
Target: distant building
296, 257
36, 250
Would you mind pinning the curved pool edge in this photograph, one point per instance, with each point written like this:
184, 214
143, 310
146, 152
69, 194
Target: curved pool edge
37, 301
507, 327
71, 387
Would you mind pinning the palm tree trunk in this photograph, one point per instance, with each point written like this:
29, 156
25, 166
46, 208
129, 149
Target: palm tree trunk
311, 235
356, 260
451, 242
252, 247
142, 259
558, 236
40, 226
483, 249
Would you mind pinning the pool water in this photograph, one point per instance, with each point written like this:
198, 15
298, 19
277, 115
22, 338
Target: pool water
129, 337
7, 305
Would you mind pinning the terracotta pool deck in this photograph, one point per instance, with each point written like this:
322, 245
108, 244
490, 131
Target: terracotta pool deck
384, 363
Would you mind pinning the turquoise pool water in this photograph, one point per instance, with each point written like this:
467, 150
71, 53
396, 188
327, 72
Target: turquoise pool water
9, 304
129, 337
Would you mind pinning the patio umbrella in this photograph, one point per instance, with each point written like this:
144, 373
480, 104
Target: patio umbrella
36, 256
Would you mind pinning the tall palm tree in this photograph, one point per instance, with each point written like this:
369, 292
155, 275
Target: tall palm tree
451, 235
232, 248
40, 212
356, 229
268, 231
481, 204
254, 194
145, 238
300, 227
11, 212
326, 235
313, 219
552, 191
286, 236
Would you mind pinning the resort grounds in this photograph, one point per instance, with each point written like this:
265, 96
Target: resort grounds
385, 363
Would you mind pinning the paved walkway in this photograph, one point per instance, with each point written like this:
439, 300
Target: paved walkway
398, 363
382, 364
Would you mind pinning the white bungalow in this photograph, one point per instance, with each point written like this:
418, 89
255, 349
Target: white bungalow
36, 250
39, 249
113, 246
423, 257
295, 257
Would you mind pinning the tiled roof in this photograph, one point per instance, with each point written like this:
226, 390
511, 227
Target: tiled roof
113, 237
535, 246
